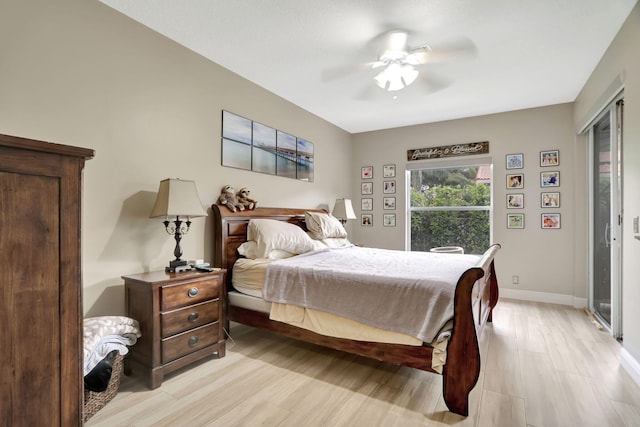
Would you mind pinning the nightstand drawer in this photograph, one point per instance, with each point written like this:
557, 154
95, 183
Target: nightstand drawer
190, 317
189, 293
189, 341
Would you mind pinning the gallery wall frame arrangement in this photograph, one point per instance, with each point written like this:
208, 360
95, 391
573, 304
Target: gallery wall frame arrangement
256, 147
388, 190
548, 181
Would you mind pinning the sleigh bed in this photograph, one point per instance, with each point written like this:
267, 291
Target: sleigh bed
474, 293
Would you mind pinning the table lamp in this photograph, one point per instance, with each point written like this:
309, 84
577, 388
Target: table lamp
177, 198
343, 210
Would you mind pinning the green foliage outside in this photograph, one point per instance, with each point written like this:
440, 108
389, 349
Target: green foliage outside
469, 229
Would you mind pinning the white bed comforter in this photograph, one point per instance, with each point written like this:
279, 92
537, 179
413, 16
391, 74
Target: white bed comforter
407, 292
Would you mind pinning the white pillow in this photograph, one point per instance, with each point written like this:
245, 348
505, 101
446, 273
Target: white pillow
324, 226
250, 250
271, 234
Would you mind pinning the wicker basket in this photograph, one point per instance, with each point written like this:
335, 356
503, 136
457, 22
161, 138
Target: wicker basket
94, 401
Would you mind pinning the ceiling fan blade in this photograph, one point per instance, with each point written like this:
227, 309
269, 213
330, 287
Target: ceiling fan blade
444, 51
391, 40
396, 40
335, 73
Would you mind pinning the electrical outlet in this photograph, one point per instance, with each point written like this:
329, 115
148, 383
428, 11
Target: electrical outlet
515, 280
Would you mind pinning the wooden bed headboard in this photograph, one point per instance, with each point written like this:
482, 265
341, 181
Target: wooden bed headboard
230, 230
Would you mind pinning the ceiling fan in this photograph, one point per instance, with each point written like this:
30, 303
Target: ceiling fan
398, 64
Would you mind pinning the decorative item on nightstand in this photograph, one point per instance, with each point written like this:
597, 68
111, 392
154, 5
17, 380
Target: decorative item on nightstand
177, 198
343, 210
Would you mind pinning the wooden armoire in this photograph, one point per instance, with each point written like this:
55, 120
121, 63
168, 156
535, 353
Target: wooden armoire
41, 333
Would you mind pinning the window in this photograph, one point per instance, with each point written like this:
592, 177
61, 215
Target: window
450, 206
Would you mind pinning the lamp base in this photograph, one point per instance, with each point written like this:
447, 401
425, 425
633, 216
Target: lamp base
177, 265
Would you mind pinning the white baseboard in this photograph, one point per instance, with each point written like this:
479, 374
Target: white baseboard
544, 297
630, 365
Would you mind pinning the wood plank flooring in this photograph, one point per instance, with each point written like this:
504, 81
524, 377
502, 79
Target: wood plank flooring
543, 365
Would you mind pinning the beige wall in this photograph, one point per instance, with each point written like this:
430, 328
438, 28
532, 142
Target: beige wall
544, 260
79, 73
622, 59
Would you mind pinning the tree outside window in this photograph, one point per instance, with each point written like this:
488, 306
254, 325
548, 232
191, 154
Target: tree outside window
451, 207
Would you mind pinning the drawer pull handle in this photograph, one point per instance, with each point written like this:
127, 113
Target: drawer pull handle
193, 292
193, 341
193, 317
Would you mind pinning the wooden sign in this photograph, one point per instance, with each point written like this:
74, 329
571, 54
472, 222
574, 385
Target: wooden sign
448, 151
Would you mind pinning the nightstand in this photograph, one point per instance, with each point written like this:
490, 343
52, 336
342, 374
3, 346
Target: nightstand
181, 320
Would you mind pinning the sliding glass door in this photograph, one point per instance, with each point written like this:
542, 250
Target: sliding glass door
606, 217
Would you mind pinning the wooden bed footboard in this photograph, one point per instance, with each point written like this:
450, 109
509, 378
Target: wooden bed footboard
475, 297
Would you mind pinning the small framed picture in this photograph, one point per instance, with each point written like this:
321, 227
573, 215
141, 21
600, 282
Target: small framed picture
515, 201
550, 179
515, 161
366, 172
549, 158
389, 220
389, 187
515, 180
389, 203
549, 200
551, 220
366, 188
366, 204
389, 171
366, 220
515, 220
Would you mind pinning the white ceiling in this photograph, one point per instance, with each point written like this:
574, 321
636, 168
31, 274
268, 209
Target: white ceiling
530, 53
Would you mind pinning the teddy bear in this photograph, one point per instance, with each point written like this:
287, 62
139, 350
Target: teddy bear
245, 200
229, 199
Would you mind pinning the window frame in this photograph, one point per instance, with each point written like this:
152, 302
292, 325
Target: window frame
446, 164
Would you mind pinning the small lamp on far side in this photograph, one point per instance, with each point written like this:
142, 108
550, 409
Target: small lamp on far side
177, 198
343, 210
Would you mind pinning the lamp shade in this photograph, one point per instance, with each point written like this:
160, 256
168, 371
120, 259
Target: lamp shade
343, 209
177, 197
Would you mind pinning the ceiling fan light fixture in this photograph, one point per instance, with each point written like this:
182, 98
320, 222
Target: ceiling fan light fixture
396, 77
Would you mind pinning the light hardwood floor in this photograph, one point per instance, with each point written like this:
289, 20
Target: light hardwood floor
543, 365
